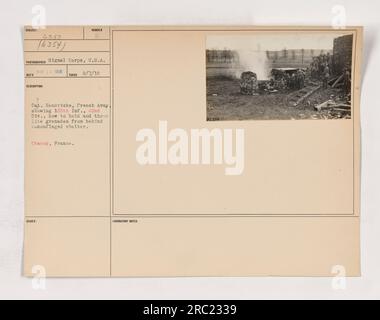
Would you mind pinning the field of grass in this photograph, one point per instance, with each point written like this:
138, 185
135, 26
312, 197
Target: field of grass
224, 102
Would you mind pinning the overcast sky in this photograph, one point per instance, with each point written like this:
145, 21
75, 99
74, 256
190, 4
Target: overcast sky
273, 41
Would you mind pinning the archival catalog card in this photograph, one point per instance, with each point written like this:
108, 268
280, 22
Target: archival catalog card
192, 151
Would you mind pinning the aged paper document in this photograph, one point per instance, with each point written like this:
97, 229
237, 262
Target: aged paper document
192, 151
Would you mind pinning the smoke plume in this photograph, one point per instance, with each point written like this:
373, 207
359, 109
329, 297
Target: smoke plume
255, 61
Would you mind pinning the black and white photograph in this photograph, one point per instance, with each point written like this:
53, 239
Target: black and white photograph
191, 158
279, 76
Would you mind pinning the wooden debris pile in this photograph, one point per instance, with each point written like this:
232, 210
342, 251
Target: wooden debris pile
248, 83
334, 109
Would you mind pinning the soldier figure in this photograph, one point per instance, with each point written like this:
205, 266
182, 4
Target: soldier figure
325, 76
347, 81
300, 79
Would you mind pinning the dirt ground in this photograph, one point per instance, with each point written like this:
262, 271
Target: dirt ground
224, 102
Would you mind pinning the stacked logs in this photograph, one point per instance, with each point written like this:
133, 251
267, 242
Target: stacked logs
248, 83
